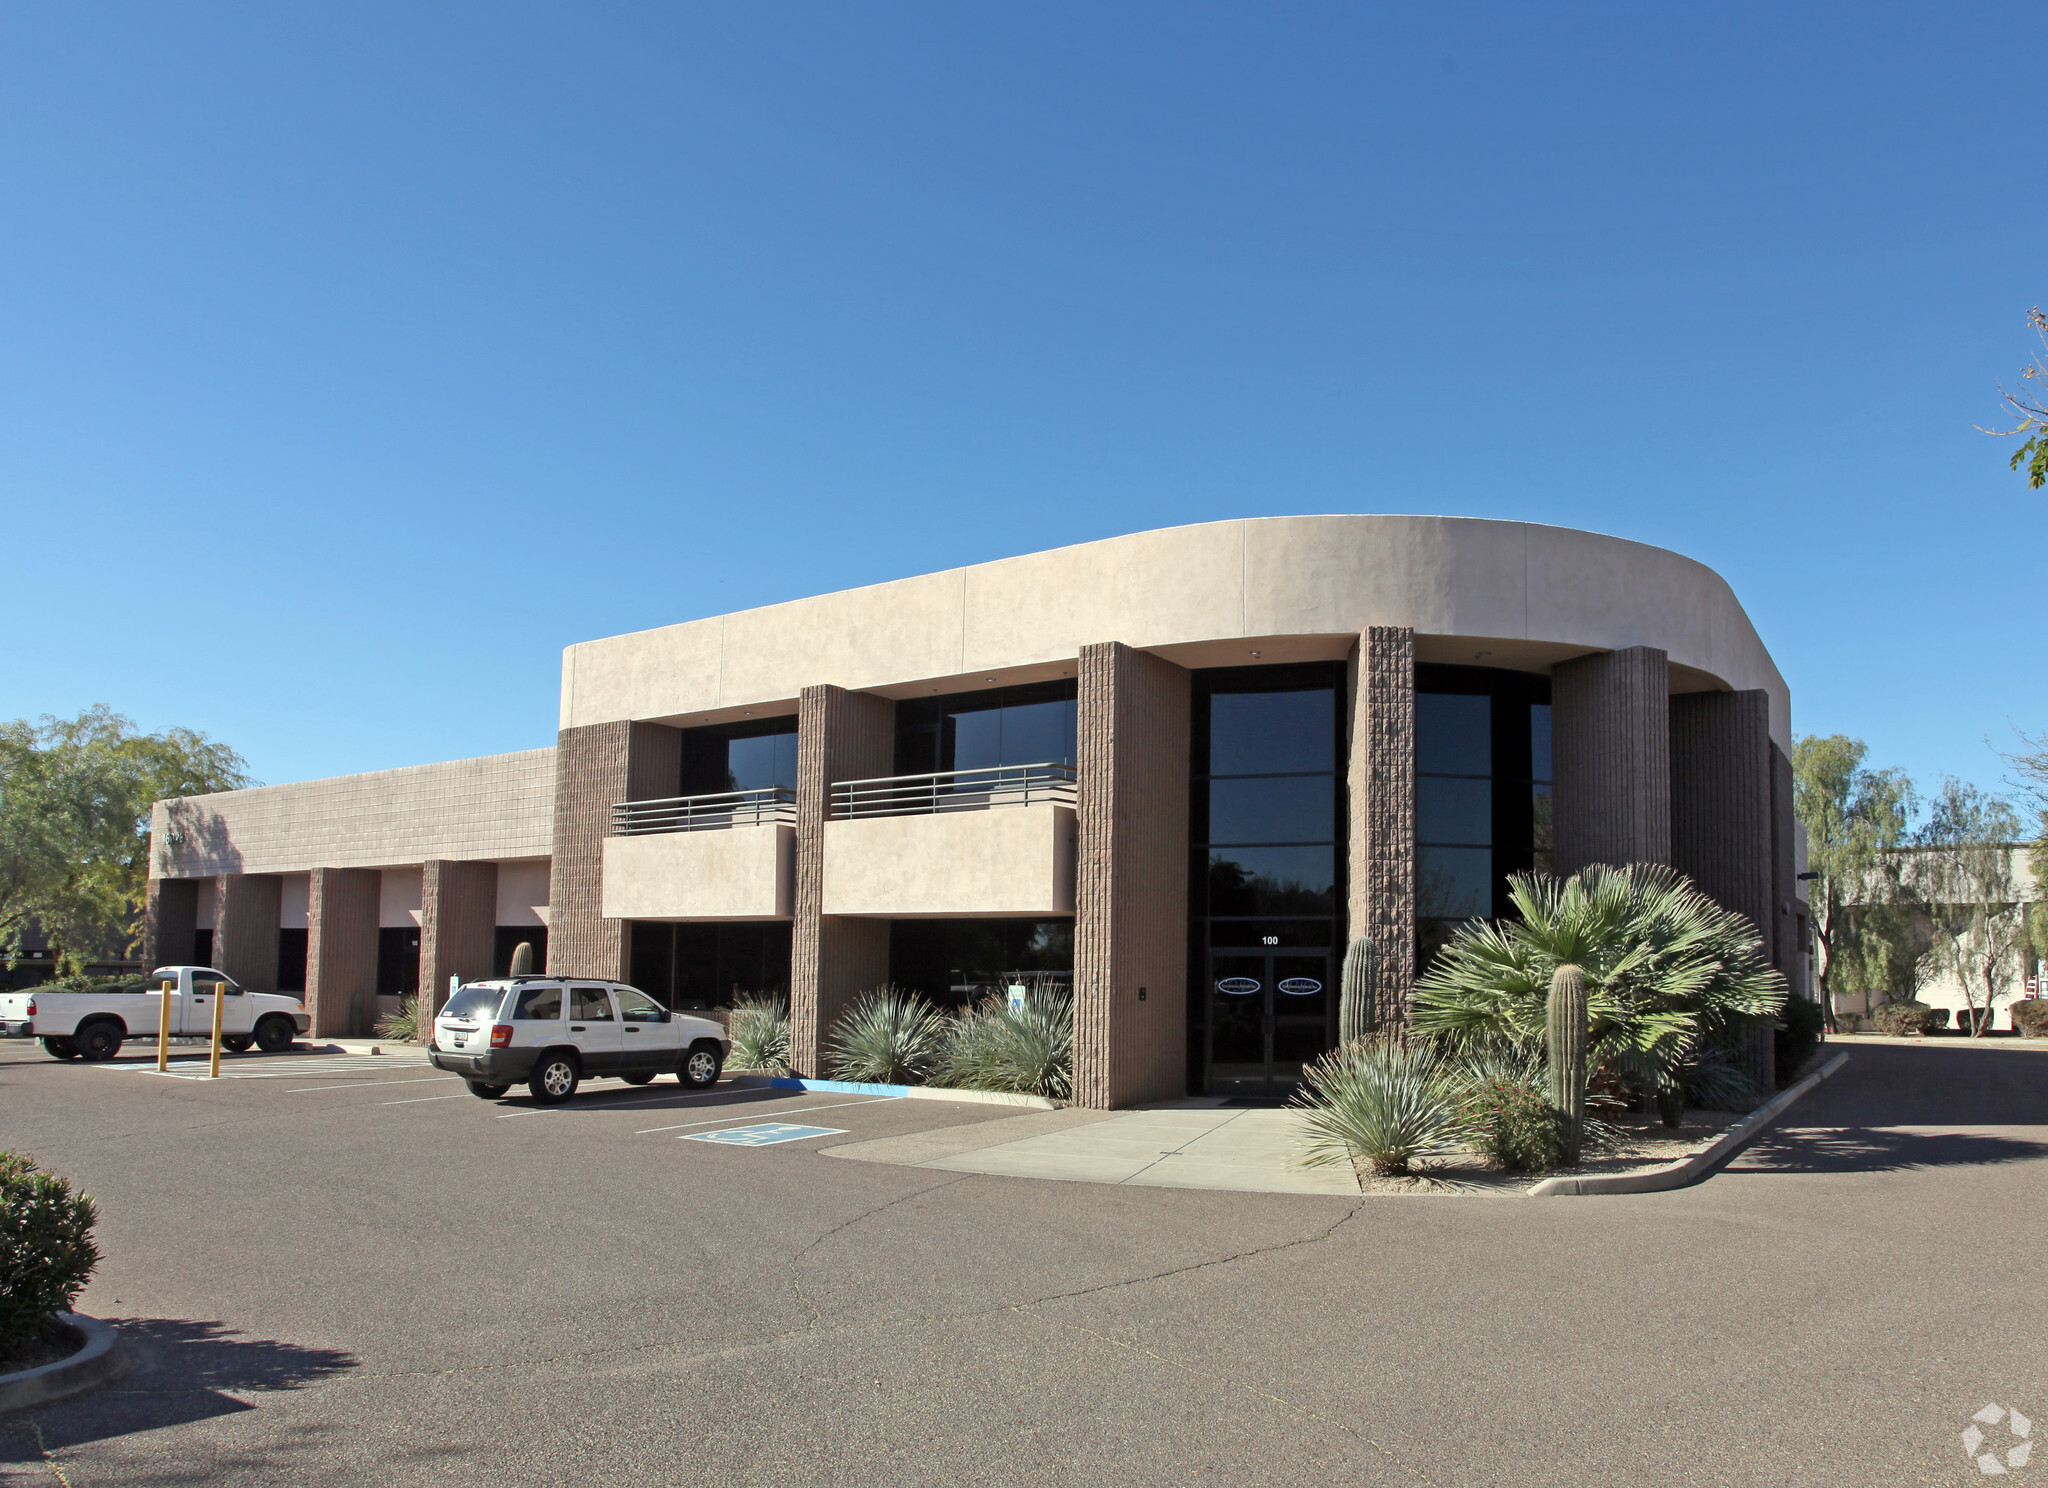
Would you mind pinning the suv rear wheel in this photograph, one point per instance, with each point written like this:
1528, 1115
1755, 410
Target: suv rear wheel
700, 1066
554, 1079
483, 1090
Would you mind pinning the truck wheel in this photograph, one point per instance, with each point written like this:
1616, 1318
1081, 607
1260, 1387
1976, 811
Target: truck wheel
554, 1079
98, 1041
239, 1044
483, 1091
700, 1066
275, 1035
60, 1048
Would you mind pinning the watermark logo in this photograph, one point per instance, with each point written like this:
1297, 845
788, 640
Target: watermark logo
1985, 1452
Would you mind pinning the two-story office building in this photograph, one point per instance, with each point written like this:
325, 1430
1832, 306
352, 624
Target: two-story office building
1178, 770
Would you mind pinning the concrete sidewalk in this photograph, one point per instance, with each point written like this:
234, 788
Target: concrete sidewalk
1246, 1150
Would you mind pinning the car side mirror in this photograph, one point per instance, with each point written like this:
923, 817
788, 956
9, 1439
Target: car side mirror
666, 1015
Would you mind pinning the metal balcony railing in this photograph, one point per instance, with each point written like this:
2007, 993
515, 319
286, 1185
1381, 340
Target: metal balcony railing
955, 790
747, 808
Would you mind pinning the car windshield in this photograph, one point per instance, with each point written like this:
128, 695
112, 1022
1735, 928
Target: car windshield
474, 1003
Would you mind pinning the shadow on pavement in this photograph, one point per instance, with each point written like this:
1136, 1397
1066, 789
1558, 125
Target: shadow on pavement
1878, 1150
1886, 1085
178, 1372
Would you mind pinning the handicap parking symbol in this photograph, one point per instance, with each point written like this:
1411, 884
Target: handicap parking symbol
764, 1134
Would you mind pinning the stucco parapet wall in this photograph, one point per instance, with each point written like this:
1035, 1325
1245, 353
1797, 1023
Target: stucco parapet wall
740, 873
1522, 594
1008, 860
494, 808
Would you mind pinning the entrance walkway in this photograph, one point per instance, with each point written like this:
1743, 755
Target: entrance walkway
1246, 1150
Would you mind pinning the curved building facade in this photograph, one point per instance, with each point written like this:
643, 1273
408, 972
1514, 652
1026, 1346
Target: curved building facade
1178, 771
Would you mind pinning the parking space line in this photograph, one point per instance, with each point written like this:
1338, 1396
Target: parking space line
366, 1084
415, 1100
797, 1111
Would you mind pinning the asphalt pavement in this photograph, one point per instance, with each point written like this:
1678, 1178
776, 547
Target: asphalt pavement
343, 1270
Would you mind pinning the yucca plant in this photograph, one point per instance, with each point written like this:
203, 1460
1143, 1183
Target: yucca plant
1669, 973
1025, 1051
1383, 1103
888, 1037
402, 1026
759, 1030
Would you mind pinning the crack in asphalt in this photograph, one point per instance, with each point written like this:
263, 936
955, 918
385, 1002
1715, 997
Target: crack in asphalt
796, 1270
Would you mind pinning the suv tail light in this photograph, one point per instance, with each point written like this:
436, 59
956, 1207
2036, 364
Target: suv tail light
501, 1035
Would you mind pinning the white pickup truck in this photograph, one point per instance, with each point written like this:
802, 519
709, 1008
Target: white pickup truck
91, 1025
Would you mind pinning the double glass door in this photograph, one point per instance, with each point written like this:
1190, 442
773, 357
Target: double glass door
1270, 1012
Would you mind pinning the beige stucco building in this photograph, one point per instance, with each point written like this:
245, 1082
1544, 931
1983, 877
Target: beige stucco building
1178, 771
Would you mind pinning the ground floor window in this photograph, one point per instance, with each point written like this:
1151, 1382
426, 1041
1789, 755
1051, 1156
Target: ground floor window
202, 948
702, 965
955, 963
398, 961
291, 960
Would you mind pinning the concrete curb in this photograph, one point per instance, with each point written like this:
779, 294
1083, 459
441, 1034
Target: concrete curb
92, 1366
898, 1092
1694, 1166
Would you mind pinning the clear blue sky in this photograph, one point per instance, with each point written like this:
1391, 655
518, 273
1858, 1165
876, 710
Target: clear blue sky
356, 358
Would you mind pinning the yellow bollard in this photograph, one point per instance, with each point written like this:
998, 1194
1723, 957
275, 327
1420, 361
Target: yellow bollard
168, 990
220, 1001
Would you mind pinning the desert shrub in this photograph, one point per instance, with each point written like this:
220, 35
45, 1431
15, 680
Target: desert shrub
46, 1249
1513, 1123
2030, 1018
888, 1037
759, 1030
402, 1026
1028, 1051
1667, 970
1714, 1082
1904, 1018
1383, 1103
100, 985
1802, 1027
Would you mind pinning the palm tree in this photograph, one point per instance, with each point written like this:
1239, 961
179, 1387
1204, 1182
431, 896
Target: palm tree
1669, 973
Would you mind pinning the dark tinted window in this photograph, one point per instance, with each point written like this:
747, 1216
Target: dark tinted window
636, 1007
1454, 735
738, 756
1257, 733
1452, 810
1028, 725
1282, 808
1272, 881
542, 1004
590, 1005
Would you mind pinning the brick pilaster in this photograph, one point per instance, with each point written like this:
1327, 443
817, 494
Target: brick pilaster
458, 928
341, 951
245, 912
1380, 777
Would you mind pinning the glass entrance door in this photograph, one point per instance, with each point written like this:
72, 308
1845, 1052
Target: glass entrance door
1270, 1012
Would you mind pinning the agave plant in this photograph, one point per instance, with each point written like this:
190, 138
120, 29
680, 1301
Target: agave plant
1669, 973
402, 1026
1028, 1050
759, 1029
888, 1037
1383, 1103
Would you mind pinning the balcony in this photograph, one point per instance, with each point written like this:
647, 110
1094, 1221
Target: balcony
730, 856
935, 846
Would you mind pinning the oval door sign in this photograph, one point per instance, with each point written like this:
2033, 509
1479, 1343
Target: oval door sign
1301, 986
1238, 986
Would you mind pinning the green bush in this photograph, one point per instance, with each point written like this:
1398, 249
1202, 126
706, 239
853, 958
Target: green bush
402, 1026
98, 985
1511, 1122
1715, 1083
759, 1030
1383, 1103
1899, 1018
46, 1249
888, 1037
2030, 1017
1802, 1028
1029, 1051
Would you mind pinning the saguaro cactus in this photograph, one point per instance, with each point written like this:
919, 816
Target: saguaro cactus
1355, 994
522, 958
1565, 1040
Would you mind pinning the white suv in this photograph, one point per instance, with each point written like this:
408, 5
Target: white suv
552, 1033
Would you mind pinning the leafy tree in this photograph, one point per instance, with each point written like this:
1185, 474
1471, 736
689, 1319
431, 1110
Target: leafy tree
1964, 871
1855, 819
75, 796
2029, 414
1669, 973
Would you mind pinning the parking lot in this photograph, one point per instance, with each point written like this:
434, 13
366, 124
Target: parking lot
340, 1269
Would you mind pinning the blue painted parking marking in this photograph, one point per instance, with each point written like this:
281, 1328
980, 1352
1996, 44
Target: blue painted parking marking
763, 1134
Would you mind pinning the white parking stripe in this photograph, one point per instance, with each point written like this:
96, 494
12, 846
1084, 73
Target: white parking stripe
366, 1084
419, 1098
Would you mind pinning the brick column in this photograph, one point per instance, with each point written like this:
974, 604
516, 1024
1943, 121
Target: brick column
1611, 750
245, 928
458, 928
1131, 879
840, 735
341, 951
1380, 777
1722, 819
170, 922
596, 767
